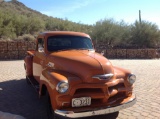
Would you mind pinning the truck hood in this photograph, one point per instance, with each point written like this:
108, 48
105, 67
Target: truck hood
83, 63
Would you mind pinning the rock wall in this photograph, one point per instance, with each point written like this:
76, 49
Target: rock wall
17, 50
130, 53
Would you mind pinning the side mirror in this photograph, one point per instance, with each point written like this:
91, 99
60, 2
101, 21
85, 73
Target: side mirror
40, 49
102, 53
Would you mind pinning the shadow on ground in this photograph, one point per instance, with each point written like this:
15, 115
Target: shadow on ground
17, 97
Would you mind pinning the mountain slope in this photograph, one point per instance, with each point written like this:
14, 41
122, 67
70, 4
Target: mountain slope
16, 20
19, 8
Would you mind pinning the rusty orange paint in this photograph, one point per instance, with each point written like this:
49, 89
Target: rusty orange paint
77, 67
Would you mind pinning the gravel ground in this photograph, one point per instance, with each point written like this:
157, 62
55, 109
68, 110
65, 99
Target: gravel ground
17, 97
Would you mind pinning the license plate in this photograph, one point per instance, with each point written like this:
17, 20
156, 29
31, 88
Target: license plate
79, 102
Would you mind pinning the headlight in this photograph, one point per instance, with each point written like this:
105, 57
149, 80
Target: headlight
62, 87
131, 78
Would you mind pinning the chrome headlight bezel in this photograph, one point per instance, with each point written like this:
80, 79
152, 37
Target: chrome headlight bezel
62, 87
131, 78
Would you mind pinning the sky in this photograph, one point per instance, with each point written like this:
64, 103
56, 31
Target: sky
91, 11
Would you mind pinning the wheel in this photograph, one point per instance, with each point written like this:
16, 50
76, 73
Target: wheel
50, 111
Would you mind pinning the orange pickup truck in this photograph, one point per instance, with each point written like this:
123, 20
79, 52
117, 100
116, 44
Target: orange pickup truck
77, 81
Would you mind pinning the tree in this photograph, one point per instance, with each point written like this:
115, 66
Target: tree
145, 34
109, 32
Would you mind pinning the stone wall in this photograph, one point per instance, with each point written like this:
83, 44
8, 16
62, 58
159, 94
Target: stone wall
130, 53
14, 49
17, 50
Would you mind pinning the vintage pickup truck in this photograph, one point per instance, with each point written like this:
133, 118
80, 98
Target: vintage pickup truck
77, 81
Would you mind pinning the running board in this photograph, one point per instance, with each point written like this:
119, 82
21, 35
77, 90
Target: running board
34, 83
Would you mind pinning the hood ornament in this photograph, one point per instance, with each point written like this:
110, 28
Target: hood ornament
103, 77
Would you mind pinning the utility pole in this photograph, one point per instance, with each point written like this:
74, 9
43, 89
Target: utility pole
140, 16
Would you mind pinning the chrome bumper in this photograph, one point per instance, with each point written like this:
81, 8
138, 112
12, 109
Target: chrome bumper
107, 110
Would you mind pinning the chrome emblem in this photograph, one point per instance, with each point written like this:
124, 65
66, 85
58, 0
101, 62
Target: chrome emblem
103, 77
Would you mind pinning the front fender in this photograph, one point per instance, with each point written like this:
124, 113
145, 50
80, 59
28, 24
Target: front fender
120, 72
50, 78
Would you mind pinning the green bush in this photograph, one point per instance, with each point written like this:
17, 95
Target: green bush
110, 32
145, 35
119, 34
26, 37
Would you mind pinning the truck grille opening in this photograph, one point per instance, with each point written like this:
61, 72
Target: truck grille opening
96, 94
117, 98
116, 87
102, 96
88, 91
116, 93
96, 101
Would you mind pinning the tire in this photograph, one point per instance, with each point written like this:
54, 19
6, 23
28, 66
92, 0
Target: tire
50, 111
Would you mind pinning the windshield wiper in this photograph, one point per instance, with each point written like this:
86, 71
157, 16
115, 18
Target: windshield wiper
74, 49
65, 49
85, 49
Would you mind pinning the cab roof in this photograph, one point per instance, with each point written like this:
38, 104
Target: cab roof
50, 33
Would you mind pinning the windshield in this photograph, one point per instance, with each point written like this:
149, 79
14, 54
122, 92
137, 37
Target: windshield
64, 42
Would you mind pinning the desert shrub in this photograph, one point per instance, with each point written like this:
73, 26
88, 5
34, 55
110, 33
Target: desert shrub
26, 37
110, 32
145, 34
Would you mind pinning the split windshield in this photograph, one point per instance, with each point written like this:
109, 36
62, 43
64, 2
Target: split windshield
66, 42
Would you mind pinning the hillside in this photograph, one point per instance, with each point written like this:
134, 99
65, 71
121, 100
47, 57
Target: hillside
16, 20
17, 7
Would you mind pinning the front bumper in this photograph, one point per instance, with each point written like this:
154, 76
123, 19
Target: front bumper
107, 110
